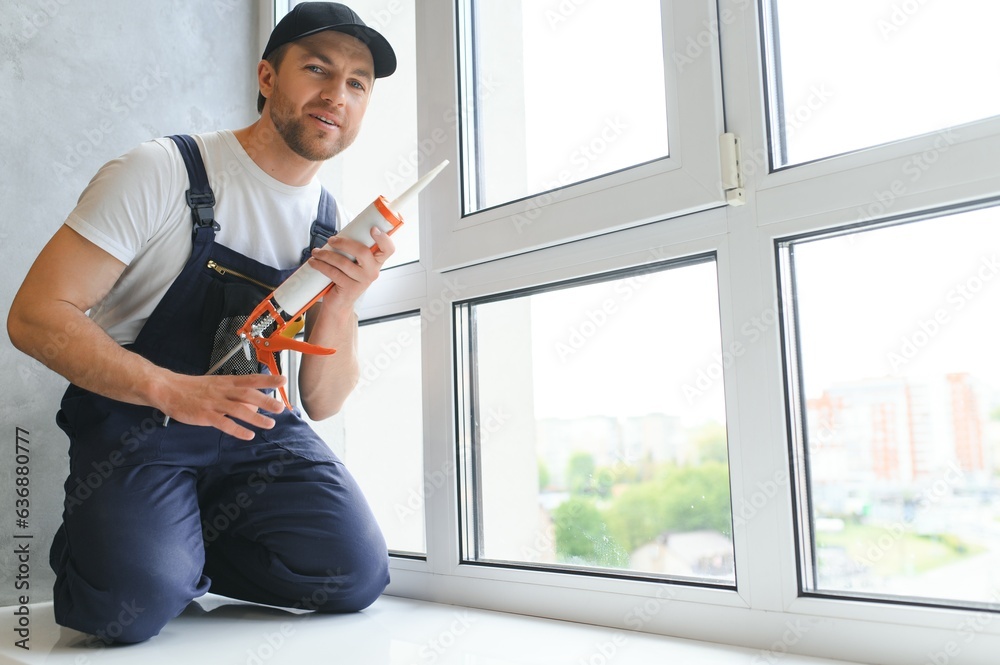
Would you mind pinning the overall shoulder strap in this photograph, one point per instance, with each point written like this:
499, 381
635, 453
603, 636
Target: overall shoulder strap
199, 197
325, 226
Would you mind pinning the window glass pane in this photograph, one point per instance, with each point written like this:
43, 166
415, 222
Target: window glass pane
600, 425
561, 92
900, 381
384, 158
379, 432
858, 73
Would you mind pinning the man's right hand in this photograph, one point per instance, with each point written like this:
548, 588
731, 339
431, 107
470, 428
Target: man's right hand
222, 402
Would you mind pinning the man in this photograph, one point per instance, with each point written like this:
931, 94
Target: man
236, 495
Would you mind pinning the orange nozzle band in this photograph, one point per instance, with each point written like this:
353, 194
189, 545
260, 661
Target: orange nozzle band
382, 205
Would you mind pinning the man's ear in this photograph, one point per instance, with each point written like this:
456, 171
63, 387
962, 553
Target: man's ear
265, 78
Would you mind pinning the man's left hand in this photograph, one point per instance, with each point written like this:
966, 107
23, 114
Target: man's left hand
350, 280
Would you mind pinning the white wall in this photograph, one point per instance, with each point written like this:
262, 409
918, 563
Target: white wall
83, 82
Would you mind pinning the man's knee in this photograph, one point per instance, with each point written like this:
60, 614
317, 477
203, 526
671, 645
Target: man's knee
131, 624
349, 589
134, 611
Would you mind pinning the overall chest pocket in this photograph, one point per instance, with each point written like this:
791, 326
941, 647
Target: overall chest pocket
229, 300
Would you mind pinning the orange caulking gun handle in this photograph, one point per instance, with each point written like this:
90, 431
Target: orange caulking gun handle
268, 360
265, 346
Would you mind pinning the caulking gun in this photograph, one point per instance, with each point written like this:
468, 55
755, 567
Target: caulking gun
262, 332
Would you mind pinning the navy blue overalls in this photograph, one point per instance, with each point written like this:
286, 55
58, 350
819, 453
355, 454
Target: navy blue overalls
156, 516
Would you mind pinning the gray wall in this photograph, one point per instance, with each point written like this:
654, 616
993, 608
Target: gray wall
83, 82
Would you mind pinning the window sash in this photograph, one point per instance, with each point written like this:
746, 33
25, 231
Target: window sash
686, 181
470, 391
800, 431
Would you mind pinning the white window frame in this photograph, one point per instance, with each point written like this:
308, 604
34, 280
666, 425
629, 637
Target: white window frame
686, 181
905, 176
766, 611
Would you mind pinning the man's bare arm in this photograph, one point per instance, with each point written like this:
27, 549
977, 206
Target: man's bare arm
70, 276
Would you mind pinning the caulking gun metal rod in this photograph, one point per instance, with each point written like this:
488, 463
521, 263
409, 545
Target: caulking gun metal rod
241, 345
215, 368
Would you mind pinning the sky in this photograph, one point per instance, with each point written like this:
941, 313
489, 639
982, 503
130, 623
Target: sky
629, 347
913, 300
858, 73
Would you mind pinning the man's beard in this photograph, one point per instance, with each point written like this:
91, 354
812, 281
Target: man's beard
304, 141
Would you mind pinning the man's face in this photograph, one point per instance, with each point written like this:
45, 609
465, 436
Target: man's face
320, 94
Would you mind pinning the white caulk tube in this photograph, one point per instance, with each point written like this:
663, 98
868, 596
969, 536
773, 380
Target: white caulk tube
301, 289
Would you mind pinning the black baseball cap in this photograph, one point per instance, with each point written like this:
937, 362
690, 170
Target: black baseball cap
308, 18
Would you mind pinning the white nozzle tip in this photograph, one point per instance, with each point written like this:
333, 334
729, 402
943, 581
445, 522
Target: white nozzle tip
415, 188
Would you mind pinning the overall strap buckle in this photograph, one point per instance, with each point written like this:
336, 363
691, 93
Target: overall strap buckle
199, 197
202, 208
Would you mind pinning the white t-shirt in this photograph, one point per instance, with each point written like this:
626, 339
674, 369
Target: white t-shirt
135, 210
